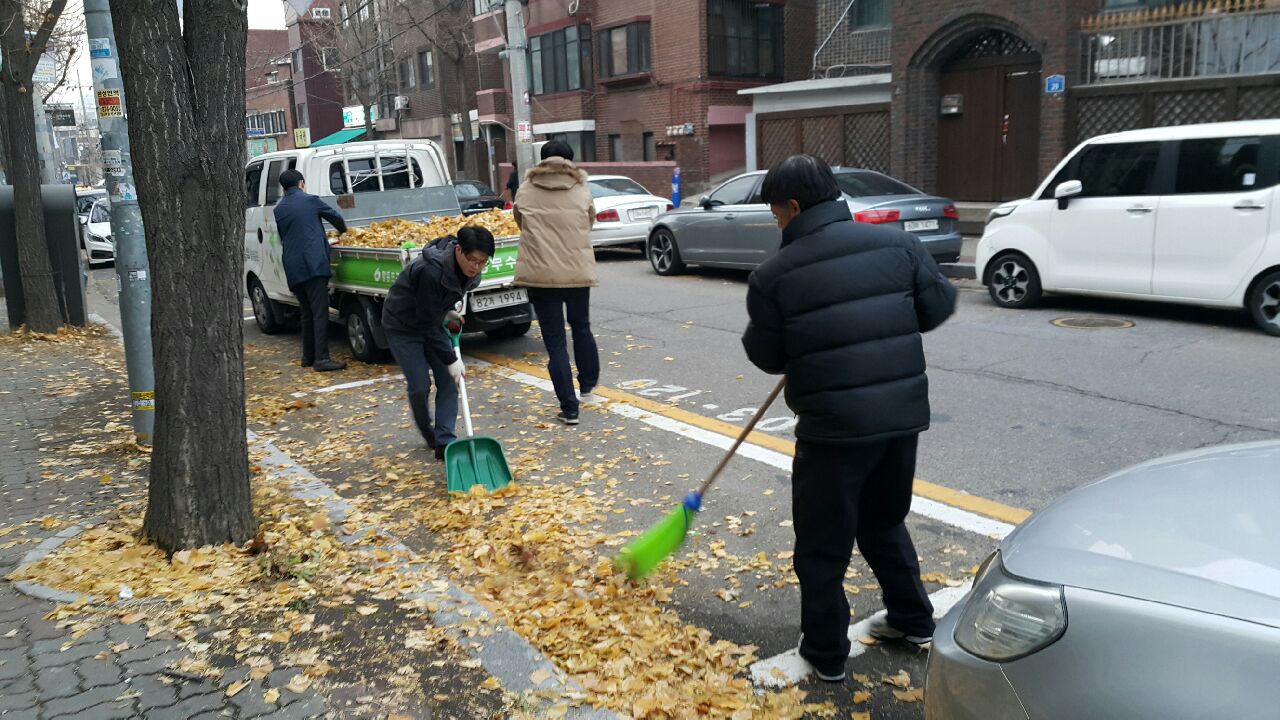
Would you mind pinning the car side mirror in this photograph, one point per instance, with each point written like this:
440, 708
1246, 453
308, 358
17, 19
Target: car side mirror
1067, 190
704, 202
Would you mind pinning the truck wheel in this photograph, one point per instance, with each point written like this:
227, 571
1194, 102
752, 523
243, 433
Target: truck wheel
360, 337
1264, 303
507, 332
265, 310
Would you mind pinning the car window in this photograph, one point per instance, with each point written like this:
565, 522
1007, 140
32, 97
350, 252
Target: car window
252, 184
99, 214
607, 187
1218, 165
273, 178
483, 189
466, 190
868, 184
83, 204
1118, 169
735, 192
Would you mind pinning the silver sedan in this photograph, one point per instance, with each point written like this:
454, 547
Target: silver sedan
732, 227
1154, 593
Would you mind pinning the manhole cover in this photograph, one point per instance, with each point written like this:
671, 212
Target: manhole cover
1092, 323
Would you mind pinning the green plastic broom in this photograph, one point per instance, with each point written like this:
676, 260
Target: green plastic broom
639, 557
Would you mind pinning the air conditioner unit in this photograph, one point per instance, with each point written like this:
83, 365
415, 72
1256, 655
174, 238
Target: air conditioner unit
402, 102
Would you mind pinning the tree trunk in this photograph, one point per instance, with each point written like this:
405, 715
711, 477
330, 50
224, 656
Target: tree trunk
468, 142
184, 91
39, 294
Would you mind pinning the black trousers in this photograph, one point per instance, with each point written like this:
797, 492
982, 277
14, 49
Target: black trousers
553, 306
843, 493
313, 307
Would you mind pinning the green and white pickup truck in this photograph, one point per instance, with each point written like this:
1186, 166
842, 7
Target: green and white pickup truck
366, 183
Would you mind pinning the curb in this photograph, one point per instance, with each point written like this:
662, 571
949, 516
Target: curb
505, 655
960, 271
41, 551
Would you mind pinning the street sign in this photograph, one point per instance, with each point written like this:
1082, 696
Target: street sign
301, 138
1055, 84
62, 116
255, 132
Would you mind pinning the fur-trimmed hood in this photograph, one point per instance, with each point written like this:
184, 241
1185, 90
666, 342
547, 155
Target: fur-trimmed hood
556, 173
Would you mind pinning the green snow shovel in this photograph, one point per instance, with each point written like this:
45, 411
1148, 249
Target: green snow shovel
646, 552
472, 460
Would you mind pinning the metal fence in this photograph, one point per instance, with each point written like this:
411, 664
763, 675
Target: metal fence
1193, 40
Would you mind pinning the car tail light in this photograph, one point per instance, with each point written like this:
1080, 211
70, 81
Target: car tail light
670, 207
1006, 617
877, 217
607, 216
950, 211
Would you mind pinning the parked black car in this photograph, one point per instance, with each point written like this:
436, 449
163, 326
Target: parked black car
477, 197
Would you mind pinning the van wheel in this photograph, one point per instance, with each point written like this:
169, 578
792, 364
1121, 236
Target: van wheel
664, 254
507, 332
360, 337
265, 310
1013, 281
1264, 303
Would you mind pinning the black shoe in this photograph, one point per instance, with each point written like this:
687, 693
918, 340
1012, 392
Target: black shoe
440, 452
330, 365
307, 363
827, 673
568, 418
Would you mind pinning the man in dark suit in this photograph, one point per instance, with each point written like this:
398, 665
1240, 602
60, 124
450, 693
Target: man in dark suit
306, 264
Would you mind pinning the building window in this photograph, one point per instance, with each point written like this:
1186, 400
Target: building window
870, 14
408, 78
560, 61
426, 68
297, 61
744, 38
582, 143
332, 59
273, 77
483, 6
624, 50
271, 122
650, 148
615, 148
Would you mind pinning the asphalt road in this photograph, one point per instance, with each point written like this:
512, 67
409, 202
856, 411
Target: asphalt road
1024, 411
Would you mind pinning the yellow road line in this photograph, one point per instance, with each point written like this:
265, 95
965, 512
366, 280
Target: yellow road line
938, 493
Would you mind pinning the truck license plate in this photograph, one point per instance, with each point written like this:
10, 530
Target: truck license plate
919, 225
500, 298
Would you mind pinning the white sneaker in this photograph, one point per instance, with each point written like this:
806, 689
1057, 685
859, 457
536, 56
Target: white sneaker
591, 398
880, 629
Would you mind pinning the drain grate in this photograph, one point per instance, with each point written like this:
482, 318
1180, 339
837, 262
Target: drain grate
1085, 322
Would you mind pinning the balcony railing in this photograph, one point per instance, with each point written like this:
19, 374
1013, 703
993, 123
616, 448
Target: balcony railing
1192, 40
856, 52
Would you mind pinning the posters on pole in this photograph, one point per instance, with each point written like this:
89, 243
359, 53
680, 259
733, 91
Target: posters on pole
109, 104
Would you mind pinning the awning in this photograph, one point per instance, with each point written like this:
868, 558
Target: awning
340, 137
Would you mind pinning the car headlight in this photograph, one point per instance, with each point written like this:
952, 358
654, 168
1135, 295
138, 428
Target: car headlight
99, 238
1000, 212
1007, 617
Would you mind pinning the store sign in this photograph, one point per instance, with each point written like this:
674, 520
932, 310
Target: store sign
62, 116
353, 116
301, 137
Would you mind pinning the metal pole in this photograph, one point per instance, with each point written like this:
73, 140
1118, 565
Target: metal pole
44, 140
126, 217
517, 59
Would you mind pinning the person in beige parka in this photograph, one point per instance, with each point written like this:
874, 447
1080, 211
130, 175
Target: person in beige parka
554, 210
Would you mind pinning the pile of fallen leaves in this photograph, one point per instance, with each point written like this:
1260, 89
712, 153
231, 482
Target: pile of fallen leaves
397, 232
64, 334
543, 569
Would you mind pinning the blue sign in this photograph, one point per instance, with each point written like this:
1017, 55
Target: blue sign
1055, 84
675, 188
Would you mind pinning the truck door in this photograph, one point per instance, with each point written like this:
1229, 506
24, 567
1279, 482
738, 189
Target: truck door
253, 230
273, 262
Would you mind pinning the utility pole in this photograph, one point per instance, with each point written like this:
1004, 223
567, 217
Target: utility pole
126, 218
517, 64
44, 141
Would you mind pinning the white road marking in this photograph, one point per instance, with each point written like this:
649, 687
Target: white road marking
932, 509
709, 406
351, 385
789, 668
249, 317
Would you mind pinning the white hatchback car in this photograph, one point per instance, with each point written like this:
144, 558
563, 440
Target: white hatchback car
1178, 214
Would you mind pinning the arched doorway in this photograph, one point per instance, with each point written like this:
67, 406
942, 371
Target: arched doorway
989, 122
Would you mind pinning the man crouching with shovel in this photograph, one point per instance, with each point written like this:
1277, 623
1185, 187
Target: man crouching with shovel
413, 316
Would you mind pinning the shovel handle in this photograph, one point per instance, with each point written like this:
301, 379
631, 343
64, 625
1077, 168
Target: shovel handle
742, 436
453, 326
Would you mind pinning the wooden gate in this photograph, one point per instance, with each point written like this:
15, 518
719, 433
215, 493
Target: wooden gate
855, 136
1102, 109
989, 132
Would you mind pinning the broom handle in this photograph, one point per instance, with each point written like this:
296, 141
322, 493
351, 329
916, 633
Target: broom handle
742, 436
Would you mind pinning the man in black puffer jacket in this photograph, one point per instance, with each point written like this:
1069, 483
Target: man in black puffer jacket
840, 310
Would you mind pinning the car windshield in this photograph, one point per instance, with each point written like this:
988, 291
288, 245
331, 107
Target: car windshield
606, 187
866, 184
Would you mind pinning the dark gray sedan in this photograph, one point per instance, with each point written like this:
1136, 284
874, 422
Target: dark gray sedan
732, 227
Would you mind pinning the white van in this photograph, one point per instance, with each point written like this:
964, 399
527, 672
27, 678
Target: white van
330, 172
1180, 214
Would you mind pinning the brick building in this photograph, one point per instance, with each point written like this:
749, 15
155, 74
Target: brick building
978, 99
642, 86
317, 90
268, 85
